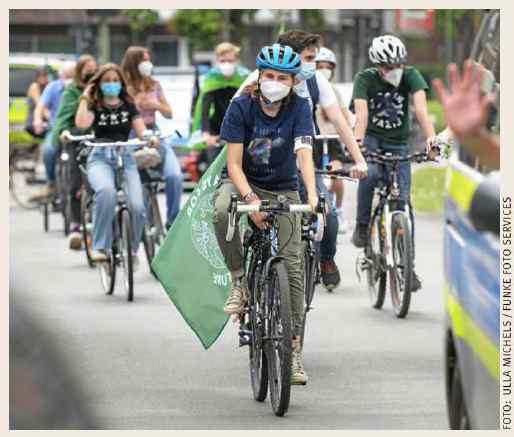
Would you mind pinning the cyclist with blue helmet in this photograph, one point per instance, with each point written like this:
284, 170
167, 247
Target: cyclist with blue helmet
267, 132
315, 87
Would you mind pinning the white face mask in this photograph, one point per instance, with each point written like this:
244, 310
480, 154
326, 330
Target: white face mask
145, 68
327, 72
394, 77
67, 82
273, 90
227, 68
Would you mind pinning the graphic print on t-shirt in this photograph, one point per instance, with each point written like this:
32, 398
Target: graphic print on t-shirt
112, 118
387, 110
260, 149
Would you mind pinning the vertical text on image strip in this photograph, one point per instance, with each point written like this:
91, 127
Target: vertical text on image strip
506, 317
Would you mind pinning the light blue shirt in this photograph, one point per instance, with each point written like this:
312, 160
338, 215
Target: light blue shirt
51, 98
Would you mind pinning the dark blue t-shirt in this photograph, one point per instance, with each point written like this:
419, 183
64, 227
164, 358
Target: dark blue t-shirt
269, 158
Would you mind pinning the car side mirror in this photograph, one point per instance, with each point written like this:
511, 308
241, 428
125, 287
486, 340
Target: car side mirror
485, 205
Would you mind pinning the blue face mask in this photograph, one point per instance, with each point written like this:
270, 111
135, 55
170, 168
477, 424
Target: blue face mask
308, 70
111, 89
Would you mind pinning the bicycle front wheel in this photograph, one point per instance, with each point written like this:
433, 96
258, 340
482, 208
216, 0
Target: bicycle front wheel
400, 275
108, 273
126, 253
279, 343
375, 274
258, 361
86, 223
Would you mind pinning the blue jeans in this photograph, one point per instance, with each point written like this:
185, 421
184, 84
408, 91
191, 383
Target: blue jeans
101, 171
377, 172
50, 153
328, 245
172, 174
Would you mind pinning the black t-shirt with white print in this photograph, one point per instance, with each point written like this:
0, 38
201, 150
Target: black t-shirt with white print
114, 122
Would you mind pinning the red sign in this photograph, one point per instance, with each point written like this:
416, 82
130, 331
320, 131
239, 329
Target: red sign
415, 21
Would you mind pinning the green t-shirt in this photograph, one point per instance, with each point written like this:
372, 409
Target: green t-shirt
388, 107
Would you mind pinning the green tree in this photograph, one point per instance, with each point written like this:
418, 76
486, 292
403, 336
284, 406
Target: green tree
205, 27
312, 19
140, 20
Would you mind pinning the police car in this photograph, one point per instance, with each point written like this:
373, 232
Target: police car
472, 267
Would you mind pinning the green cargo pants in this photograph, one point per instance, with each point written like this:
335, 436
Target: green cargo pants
292, 253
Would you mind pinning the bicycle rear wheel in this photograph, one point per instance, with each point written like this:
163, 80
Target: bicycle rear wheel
400, 276
63, 195
46, 215
279, 344
159, 232
149, 244
24, 183
86, 223
375, 274
310, 267
125, 224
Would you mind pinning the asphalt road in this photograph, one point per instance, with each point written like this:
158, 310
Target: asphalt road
140, 366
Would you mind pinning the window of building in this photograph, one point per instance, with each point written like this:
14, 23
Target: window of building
57, 43
164, 51
20, 43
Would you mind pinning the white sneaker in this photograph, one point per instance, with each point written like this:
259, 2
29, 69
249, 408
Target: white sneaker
344, 226
238, 297
298, 373
98, 256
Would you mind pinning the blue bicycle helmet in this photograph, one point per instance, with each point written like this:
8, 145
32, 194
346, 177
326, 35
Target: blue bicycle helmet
280, 58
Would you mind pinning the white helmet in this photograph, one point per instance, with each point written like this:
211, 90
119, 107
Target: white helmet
387, 49
326, 55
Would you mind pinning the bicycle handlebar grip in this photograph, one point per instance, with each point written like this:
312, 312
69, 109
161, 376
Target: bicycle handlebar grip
231, 228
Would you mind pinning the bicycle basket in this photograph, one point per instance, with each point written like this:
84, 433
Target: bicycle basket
147, 158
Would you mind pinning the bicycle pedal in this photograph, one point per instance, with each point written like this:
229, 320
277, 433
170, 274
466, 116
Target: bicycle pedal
245, 337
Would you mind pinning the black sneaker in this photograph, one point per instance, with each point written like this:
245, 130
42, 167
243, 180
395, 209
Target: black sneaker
360, 235
330, 274
416, 283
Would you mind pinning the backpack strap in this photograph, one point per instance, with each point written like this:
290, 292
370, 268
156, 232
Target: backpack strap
312, 85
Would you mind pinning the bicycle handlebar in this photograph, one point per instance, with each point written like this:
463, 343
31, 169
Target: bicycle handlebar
326, 137
280, 206
338, 173
383, 158
69, 137
129, 143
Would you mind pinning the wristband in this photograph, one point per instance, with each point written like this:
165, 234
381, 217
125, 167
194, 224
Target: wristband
249, 196
86, 98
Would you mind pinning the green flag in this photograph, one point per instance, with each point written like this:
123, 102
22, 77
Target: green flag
190, 265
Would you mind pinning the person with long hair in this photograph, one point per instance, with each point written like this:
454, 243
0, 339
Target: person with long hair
107, 108
266, 133
85, 68
150, 99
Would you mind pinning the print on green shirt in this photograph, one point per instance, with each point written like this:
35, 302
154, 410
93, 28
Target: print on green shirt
388, 107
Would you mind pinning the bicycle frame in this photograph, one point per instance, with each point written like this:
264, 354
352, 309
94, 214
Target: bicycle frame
389, 193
